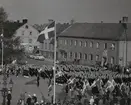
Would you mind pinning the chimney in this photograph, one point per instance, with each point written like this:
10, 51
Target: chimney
124, 19
25, 21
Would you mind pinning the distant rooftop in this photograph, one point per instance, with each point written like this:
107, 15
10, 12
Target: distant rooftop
102, 31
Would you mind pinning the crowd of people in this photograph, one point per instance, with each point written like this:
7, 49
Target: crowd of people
85, 85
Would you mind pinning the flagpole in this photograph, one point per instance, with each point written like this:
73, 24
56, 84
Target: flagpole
54, 68
2, 49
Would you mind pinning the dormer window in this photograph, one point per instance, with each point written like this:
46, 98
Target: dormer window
30, 32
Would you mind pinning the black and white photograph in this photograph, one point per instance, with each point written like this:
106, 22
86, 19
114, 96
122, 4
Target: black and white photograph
65, 52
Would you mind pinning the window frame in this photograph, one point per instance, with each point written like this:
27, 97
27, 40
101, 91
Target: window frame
23, 32
113, 46
91, 44
30, 32
65, 42
80, 43
91, 57
85, 56
105, 45
75, 43
30, 40
97, 45
85, 44
75, 55
97, 58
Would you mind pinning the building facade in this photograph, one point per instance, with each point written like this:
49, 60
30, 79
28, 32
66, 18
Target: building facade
28, 35
91, 42
88, 51
47, 49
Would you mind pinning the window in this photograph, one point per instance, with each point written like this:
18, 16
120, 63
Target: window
70, 54
30, 32
85, 44
85, 56
90, 57
91, 44
75, 55
112, 60
60, 41
97, 45
80, 56
65, 55
65, 42
22, 32
45, 45
113, 46
97, 57
105, 45
80, 43
30, 40
49, 46
71, 42
26, 26
75, 42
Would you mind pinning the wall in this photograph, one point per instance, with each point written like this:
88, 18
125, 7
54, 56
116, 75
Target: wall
82, 49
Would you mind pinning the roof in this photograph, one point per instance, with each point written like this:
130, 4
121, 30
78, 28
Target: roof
102, 31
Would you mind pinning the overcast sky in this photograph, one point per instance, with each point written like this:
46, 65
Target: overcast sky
39, 11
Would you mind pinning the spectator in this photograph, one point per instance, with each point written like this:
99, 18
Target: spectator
34, 98
92, 100
28, 101
9, 97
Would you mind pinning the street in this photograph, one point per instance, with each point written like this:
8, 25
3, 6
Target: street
19, 87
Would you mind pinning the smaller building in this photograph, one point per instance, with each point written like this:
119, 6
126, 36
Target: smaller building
46, 47
28, 35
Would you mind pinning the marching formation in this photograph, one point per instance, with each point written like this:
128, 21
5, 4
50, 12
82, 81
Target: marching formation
84, 84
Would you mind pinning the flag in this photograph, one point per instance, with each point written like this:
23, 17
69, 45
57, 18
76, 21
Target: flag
60, 73
14, 61
48, 32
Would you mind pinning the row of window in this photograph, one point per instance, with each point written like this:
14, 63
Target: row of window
85, 44
50, 47
23, 33
85, 56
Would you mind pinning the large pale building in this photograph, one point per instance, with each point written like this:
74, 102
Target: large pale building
28, 35
91, 42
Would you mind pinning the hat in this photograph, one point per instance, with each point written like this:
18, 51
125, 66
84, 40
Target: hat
9, 92
42, 101
29, 95
34, 94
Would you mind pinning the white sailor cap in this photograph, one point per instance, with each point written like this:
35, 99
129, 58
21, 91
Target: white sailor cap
34, 94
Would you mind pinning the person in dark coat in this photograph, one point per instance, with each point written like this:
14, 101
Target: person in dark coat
28, 101
34, 98
9, 97
38, 79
